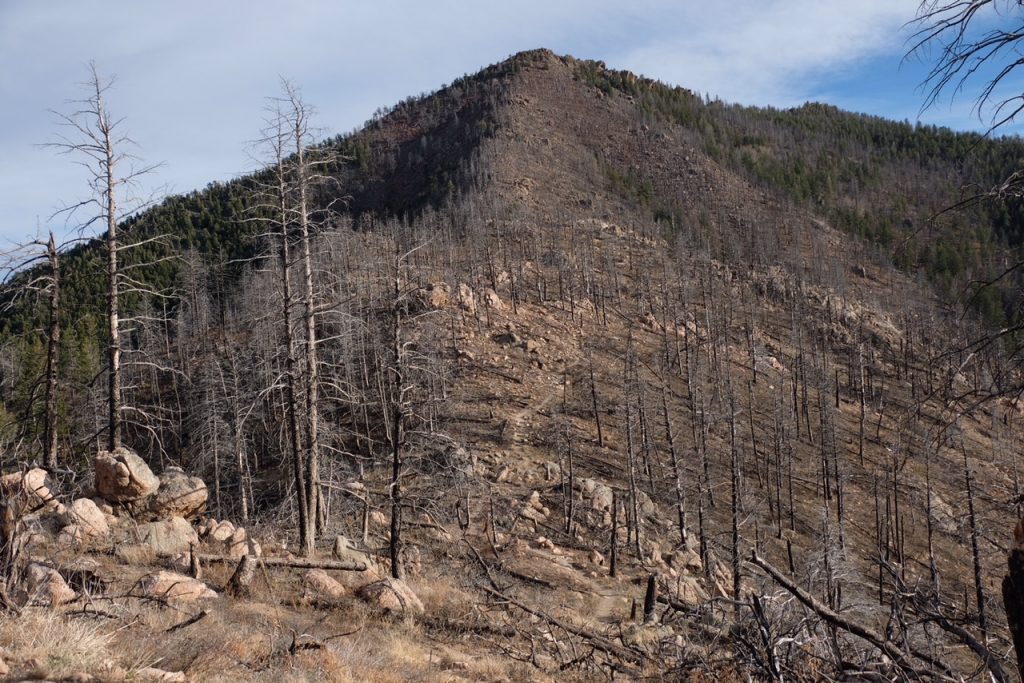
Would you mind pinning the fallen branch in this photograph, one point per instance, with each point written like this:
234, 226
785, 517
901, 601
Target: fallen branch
835, 619
598, 641
188, 622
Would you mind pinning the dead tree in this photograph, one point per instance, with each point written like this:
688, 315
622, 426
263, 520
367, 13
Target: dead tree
273, 208
305, 164
95, 138
24, 281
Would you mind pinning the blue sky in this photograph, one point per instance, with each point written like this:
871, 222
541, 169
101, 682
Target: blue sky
192, 77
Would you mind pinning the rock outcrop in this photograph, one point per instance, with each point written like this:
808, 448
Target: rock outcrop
123, 477
179, 495
168, 536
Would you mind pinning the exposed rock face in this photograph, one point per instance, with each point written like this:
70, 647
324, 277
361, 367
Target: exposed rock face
44, 585
173, 587
434, 295
392, 595
123, 477
317, 583
168, 536
179, 495
686, 560
87, 516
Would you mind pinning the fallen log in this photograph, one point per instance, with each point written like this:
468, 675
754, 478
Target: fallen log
294, 563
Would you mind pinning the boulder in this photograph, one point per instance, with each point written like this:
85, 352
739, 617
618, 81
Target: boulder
44, 585
206, 527
168, 536
33, 489
467, 300
87, 516
151, 674
602, 498
179, 495
222, 532
492, 300
238, 545
71, 536
687, 561
165, 585
648, 508
316, 583
123, 477
392, 595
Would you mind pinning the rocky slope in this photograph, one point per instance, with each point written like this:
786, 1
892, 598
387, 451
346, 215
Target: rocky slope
635, 374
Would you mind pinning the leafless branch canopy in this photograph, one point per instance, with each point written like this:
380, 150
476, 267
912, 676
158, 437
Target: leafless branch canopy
976, 40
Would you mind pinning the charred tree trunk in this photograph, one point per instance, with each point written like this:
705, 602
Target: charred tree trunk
52, 356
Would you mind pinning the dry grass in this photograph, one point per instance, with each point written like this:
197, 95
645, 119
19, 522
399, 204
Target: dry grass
64, 644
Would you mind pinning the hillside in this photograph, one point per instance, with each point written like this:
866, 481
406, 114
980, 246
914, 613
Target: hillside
621, 327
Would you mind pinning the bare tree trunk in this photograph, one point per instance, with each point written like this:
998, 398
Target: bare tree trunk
651, 599
979, 586
284, 254
677, 474
397, 568
398, 411
593, 399
735, 502
613, 551
113, 282
314, 517
634, 493
52, 356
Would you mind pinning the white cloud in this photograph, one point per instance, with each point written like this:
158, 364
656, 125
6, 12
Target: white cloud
772, 51
192, 74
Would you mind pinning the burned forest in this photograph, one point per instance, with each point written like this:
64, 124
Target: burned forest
557, 373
